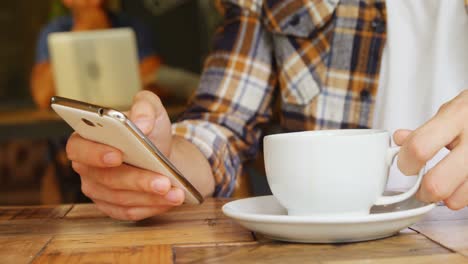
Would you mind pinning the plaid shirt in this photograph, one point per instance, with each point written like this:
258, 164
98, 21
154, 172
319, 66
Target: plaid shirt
321, 57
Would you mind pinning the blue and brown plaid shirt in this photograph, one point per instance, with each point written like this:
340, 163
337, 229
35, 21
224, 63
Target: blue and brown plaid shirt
322, 57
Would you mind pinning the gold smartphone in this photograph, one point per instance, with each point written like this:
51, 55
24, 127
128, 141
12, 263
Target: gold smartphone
113, 128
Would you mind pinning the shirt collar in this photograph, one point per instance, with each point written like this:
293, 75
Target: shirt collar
297, 17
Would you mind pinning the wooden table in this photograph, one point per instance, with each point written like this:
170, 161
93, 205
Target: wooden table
202, 234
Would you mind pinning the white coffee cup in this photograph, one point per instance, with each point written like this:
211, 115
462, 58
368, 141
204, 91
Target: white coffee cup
331, 172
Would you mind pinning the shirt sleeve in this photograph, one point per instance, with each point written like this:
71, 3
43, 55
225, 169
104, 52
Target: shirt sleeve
234, 96
42, 50
58, 25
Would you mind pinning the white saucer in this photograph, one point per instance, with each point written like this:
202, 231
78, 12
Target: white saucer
266, 216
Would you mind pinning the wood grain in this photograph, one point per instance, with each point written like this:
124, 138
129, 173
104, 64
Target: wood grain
452, 234
84, 211
221, 231
402, 245
36, 212
136, 254
21, 249
61, 226
8, 213
208, 210
86, 219
446, 227
202, 234
430, 259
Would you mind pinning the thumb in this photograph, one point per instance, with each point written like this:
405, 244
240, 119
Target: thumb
150, 116
145, 110
401, 135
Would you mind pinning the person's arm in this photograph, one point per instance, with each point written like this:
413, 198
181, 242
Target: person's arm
148, 68
234, 97
42, 84
42, 80
448, 180
218, 131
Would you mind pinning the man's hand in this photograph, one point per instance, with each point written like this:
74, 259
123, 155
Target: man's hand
448, 180
119, 190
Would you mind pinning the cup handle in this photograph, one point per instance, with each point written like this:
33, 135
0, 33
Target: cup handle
384, 200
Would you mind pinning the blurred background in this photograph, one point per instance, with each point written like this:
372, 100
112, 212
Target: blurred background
33, 165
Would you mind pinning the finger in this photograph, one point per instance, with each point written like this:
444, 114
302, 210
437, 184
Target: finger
91, 153
175, 195
426, 141
401, 135
129, 213
126, 177
145, 109
125, 198
441, 181
459, 198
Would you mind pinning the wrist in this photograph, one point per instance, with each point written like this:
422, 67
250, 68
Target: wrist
191, 162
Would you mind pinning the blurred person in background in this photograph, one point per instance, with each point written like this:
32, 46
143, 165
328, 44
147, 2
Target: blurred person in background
89, 15
82, 15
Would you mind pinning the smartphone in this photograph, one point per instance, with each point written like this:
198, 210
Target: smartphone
113, 128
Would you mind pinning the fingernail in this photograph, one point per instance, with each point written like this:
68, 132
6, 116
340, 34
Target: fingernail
143, 124
111, 158
159, 186
173, 196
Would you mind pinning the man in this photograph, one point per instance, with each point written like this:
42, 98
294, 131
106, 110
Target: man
87, 15
324, 60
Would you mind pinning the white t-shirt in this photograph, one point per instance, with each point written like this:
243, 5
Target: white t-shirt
425, 64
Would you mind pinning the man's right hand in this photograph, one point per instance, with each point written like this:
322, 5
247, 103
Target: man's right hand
119, 190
